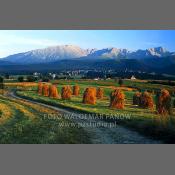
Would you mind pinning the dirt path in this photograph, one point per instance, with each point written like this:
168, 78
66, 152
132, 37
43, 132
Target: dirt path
106, 135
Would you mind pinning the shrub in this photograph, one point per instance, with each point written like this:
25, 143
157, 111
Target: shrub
46, 90
163, 105
66, 92
76, 90
40, 88
45, 79
21, 79
89, 96
100, 93
54, 91
120, 82
7, 76
1, 83
146, 100
1, 79
31, 78
117, 99
136, 98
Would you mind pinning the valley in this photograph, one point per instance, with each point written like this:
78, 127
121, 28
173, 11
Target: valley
133, 124
72, 58
87, 87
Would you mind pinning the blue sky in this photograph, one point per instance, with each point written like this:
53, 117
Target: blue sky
16, 41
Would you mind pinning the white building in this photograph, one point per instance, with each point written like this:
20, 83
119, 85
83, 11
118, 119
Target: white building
133, 77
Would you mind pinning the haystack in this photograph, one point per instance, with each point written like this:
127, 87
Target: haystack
40, 88
46, 90
54, 91
100, 93
66, 93
76, 90
89, 96
117, 99
146, 100
163, 105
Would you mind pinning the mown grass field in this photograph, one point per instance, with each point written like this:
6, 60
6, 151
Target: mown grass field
24, 122
146, 121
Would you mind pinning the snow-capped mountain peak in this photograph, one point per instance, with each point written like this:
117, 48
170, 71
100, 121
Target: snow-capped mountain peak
55, 53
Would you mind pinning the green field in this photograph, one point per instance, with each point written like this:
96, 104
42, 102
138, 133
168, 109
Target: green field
145, 121
24, 122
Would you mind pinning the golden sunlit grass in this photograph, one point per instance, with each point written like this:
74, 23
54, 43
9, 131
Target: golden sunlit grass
5, 112
36, 107
25, 110
142, 119
24, 122
22, 84
16, 105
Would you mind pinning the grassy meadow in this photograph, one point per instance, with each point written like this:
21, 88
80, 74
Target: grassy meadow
145, 121
22, 121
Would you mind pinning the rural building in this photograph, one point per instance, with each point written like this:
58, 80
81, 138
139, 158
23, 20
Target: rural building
133, 77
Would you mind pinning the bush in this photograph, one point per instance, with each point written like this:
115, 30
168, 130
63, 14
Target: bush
76, 90
21, 79
1, 79
163, 105
89, 96
146, 100
7, 76
66, 92
136, 98
31, 78
120, 82
40, 88
45, 79
1, 83
100, 93
54, 91
117, 99
46, 90
174, 103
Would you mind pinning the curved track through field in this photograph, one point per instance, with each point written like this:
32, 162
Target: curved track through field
104, 135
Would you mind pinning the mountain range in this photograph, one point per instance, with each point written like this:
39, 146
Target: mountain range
56, 53
156, 59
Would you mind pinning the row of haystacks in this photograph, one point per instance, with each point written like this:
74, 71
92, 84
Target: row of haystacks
90, 95
117, 97
163, 101
48, 90
144, 100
